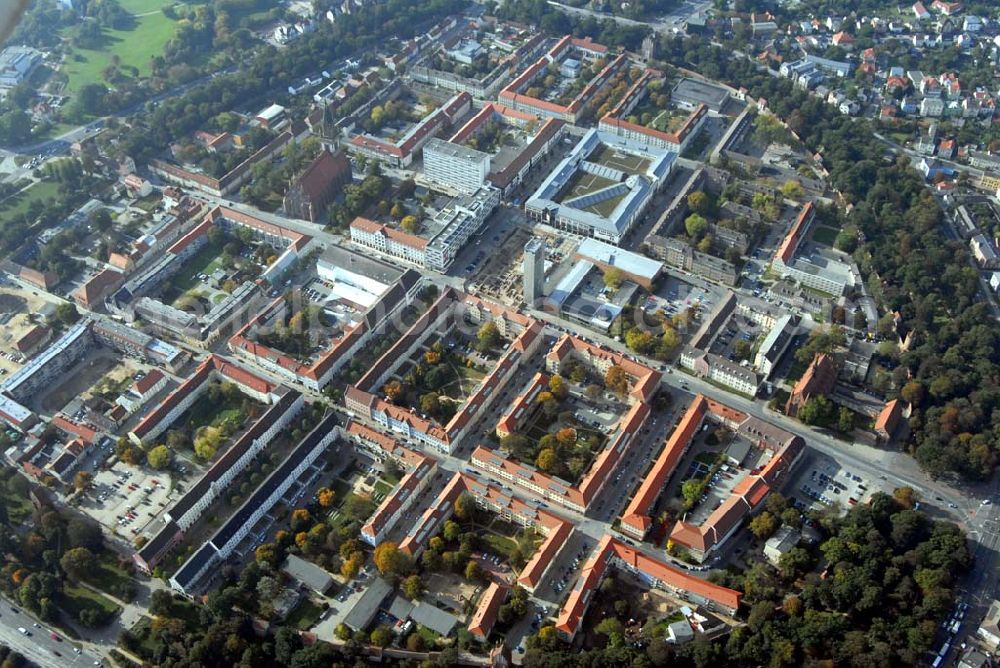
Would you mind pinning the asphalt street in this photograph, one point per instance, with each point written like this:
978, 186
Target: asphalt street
39, 647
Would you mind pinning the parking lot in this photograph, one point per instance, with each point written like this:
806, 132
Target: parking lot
719, 487
737, 328
822, 482
632, 469
675, 296
126, 500
565, 568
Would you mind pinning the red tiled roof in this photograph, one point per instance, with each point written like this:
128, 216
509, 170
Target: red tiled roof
296, 240
144, 384
31, 338
484, 458
637, 512
889, 416
794, 236
608, 549
213, 364
645, 380
676, 137
599, 473
119, 260
511, 419
324, 170
818, 378
532, 572
69, 426
485, 616
99, 285
199, 230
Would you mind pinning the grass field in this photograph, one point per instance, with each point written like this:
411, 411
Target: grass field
144, 6
205, 412
135, 47
582, 183
606, 207
501, 544
464, 383
204, 261
107, 576
382, 488
430, 637
304, 615
824, 235
19, 203
76, 599
625, 162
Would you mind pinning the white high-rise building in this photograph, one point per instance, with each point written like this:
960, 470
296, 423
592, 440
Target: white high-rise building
455, 166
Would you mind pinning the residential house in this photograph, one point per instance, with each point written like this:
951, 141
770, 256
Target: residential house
780, 544
984, 252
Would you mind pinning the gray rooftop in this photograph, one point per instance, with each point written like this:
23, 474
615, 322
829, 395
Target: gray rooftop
359, 264
364, 610
630, 263
433, 618
454, 150
308, 573
700, 91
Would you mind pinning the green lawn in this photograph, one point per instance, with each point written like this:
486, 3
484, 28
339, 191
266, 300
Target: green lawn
204, 412
143, 6
501, 544
149, 202
824, 235
204, 261
430, 636
108, 577
382, 488
18, 508
606, 207
76, 599
18, 204
134, 47
55, 130
304, 615
352, 507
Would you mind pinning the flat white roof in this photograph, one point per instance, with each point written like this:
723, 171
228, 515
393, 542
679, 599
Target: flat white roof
271, 112
627, 261
13, 410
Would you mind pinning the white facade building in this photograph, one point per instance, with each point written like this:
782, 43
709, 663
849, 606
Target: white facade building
238, 527
458, 221
455, 166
